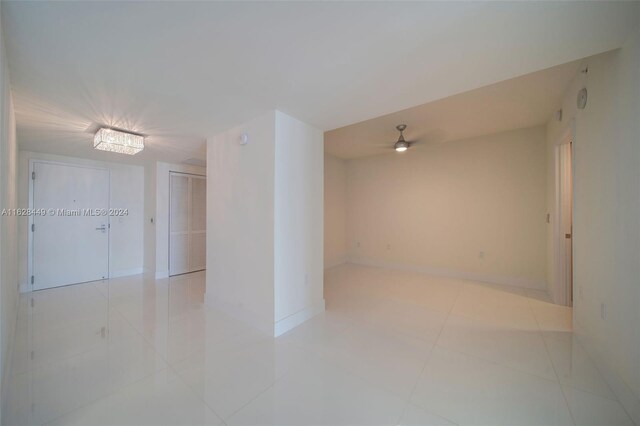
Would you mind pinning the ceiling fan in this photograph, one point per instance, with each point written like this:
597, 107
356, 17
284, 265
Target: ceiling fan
401, 145
432, 138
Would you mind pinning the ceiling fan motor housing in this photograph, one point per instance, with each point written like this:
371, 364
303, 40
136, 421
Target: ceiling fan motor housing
401, 145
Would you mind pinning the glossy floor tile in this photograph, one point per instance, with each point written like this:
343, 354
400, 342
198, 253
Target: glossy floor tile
392, 348
589, 409
468, 390
415, 416
161, 399
323, 394
522, 350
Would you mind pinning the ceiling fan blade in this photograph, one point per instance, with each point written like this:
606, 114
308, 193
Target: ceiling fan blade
435, 136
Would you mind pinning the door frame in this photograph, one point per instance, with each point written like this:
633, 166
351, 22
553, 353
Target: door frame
563, 287
172, 172
32, 163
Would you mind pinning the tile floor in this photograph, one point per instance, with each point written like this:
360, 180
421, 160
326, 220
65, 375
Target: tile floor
392, 348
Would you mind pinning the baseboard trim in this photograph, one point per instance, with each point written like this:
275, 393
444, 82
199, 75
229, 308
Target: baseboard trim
251, 319
292, 321
453, 273
125, 272
336, 262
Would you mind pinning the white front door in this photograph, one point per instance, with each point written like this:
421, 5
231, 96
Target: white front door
71, 242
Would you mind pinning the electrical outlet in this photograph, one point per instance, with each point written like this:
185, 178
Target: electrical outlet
481, 254
388, 246
603, 311
358, 244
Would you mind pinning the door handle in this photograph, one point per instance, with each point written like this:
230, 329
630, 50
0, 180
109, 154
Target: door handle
103, 228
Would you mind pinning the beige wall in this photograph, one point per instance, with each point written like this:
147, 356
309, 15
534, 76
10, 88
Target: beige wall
607, 215
435, 208
335, 211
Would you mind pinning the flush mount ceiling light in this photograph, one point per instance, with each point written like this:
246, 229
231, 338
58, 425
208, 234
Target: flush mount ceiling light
401, 145
116, 141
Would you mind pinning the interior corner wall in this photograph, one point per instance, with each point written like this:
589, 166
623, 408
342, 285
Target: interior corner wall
265, 222
159, 176
606, 223
240, 218
298, 222
470, 209
8, 224
335, 211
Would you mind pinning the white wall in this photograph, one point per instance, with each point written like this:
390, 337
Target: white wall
160, 180
126, 250
264, 222
150, 187
126, 254
335, 211
240, 217
8, 224
299, 171
607, 215
436, 207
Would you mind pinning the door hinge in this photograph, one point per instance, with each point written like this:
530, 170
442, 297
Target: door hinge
32, 302
32, 279
33, 227
33, 175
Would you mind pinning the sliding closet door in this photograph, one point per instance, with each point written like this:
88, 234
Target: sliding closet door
187, 218
198, 234
178, 224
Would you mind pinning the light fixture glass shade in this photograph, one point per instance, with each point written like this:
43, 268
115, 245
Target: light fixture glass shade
401, 146
116, 141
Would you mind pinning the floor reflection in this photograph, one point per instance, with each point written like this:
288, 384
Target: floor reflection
392, 348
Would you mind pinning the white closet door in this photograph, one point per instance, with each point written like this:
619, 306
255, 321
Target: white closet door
187, 218
179, 224
197, 245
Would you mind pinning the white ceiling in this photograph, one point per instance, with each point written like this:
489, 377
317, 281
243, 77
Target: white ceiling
182, 71
520, 102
